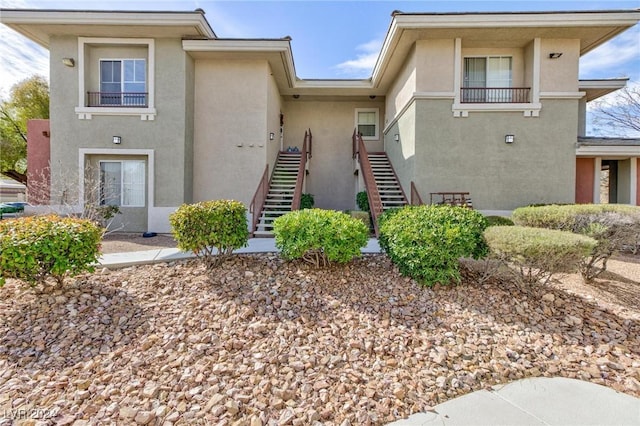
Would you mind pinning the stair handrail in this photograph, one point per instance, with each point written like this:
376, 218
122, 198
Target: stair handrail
297, 193
416, 199
257, 202
375, 202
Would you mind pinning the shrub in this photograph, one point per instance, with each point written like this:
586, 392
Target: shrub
614, 226
365, 217
306, 201
211, 226
426, 242
362, 201
499, 221
319, 236
538, 253
35, 248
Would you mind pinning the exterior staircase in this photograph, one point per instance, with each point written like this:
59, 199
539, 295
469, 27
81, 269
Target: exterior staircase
391, 193
281, 190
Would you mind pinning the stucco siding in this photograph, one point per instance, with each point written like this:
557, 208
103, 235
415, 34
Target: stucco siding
402, 153
230, 129
274, 108
561, 74
331, 179
585, 175
470, 154
435, 65
188, 128
402, 89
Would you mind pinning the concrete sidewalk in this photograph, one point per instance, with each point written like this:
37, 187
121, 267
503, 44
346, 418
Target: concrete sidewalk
534, 401
256, 245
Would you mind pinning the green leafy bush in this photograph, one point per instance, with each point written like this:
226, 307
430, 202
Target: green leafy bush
362, 201
365, 217
537, 253
209, 227
614, 226
306, 201
319, 236
499, 221
426, 242
35, 248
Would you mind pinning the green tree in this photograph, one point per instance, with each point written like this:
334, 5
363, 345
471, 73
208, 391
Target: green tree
28, 99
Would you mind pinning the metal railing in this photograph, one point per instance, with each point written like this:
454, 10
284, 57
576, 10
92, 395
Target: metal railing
416, 199
494, 95
257, 202
117, 99
306, 151
375, 202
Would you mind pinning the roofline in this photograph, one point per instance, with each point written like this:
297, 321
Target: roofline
406, 21
17, 17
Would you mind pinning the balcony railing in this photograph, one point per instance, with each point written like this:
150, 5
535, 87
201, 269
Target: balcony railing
116, 99
495, 95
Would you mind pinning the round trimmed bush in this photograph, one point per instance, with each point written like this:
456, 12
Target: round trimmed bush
34, 248
426, 242
320, 236
499, 221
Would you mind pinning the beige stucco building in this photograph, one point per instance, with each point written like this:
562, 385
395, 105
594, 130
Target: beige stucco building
159, 111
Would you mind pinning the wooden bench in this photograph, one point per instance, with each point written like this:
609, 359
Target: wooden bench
461, 199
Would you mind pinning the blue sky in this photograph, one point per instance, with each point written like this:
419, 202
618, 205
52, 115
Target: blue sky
331, 39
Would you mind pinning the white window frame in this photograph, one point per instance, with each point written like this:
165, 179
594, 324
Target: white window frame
122, 80
376, 136
145, 113
122, 183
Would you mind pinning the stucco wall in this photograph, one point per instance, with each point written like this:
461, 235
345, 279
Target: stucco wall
230, 129
435, 63
165, 135
585, 175
38, 152
188, 128
561, 74
624, 181
469, 154
331, 178
402, 153
402, 89
274, 108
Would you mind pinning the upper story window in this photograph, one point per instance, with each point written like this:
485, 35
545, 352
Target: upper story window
490, 80
116, 77
367, 123
122, 83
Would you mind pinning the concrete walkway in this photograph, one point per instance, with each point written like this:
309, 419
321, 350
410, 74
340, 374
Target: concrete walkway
534, 401
256, 245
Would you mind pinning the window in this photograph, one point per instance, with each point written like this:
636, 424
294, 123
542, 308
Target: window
485, 79
123, 82
122, 183
367, 123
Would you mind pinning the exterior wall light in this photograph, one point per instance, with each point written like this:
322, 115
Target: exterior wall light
69, 62
509, 138
555, 55
117, 140
396, 137
271, 136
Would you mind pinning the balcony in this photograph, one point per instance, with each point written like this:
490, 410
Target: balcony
495, 95
117, 99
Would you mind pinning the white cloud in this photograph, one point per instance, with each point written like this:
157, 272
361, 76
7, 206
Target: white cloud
613, 56
21, 58
362, 65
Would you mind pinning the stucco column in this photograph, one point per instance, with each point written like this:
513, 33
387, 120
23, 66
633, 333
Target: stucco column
633, 182
596, 179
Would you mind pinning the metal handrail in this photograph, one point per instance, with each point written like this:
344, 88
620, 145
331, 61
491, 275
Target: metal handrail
117, 99
375, 202
297, 193
257, 202
494, 95
416, 199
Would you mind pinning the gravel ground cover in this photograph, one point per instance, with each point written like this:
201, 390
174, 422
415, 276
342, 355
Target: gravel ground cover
264, 342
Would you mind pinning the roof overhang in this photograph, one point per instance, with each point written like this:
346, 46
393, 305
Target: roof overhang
40, 25
608, 147
597, 88
505, 29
